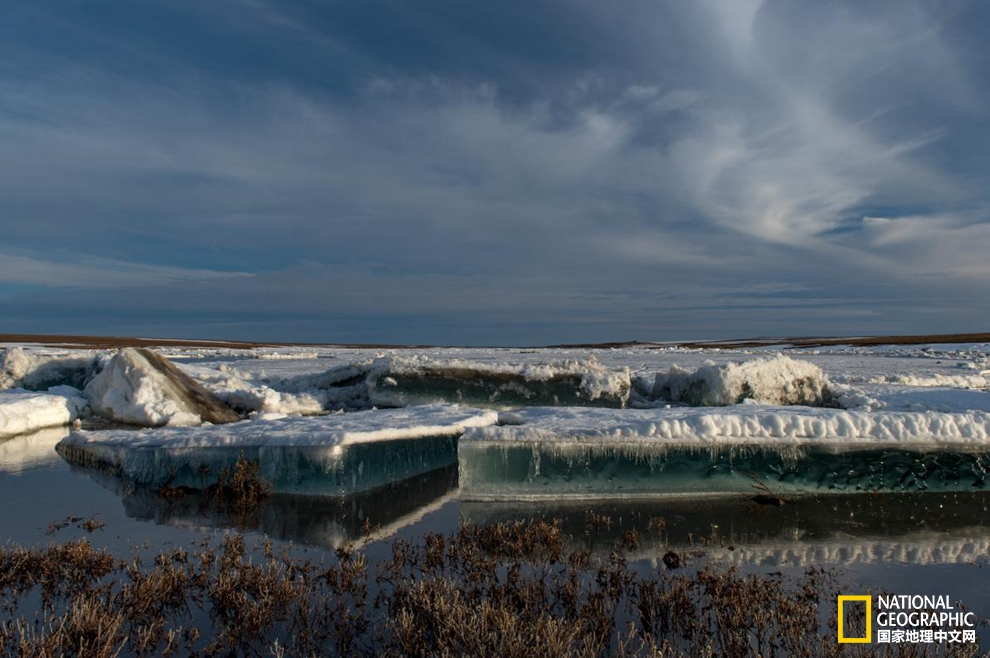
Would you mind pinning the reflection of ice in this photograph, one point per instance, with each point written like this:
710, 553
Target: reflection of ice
822, 530
323, 521
554, 470
30, 450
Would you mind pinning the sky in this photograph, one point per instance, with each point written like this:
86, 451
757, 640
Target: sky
523, 172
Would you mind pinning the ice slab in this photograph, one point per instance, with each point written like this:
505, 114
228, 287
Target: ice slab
536, 471
402, 381
931, 528
327, 455
746, 423
141, 387
22, 412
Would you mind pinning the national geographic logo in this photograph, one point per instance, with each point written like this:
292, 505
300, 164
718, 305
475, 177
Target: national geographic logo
905, 618
868, 600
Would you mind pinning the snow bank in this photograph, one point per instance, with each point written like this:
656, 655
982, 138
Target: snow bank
140, 387
22, 411
780, 380
399, 381
334, 430
40, 370
741, 424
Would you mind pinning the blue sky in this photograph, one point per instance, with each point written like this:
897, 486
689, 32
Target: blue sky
521, 172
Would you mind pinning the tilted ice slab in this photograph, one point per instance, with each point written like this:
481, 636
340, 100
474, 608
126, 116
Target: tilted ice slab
407, 380
589, 453
141, 387
326, 455
22, 412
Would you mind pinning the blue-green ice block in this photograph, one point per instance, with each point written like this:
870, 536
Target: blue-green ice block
306, 470
558, 470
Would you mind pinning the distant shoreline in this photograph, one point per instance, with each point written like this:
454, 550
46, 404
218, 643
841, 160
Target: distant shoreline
109, 342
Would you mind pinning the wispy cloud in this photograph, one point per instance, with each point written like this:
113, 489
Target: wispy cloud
715, 148
81, 271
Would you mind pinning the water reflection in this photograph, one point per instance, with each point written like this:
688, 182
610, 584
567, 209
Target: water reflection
834, 529
915, 528
317, 520
28, 451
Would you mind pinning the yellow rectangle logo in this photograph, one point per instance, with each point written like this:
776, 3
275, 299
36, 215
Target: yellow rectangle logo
868, 600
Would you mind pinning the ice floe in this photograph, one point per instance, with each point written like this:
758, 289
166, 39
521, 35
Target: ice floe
333, 430
746, 423
326, 455
23, 411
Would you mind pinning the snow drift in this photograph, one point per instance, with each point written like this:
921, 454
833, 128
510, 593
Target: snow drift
141, 387
780, 380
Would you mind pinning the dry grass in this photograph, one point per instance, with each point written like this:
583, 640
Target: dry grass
240, 488
508, 590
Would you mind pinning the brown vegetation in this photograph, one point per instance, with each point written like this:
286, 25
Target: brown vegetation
508, 589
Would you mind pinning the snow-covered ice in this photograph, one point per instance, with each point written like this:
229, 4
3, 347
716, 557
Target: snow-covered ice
23, 411
329, 455
745, 423
324, 431
891, 397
